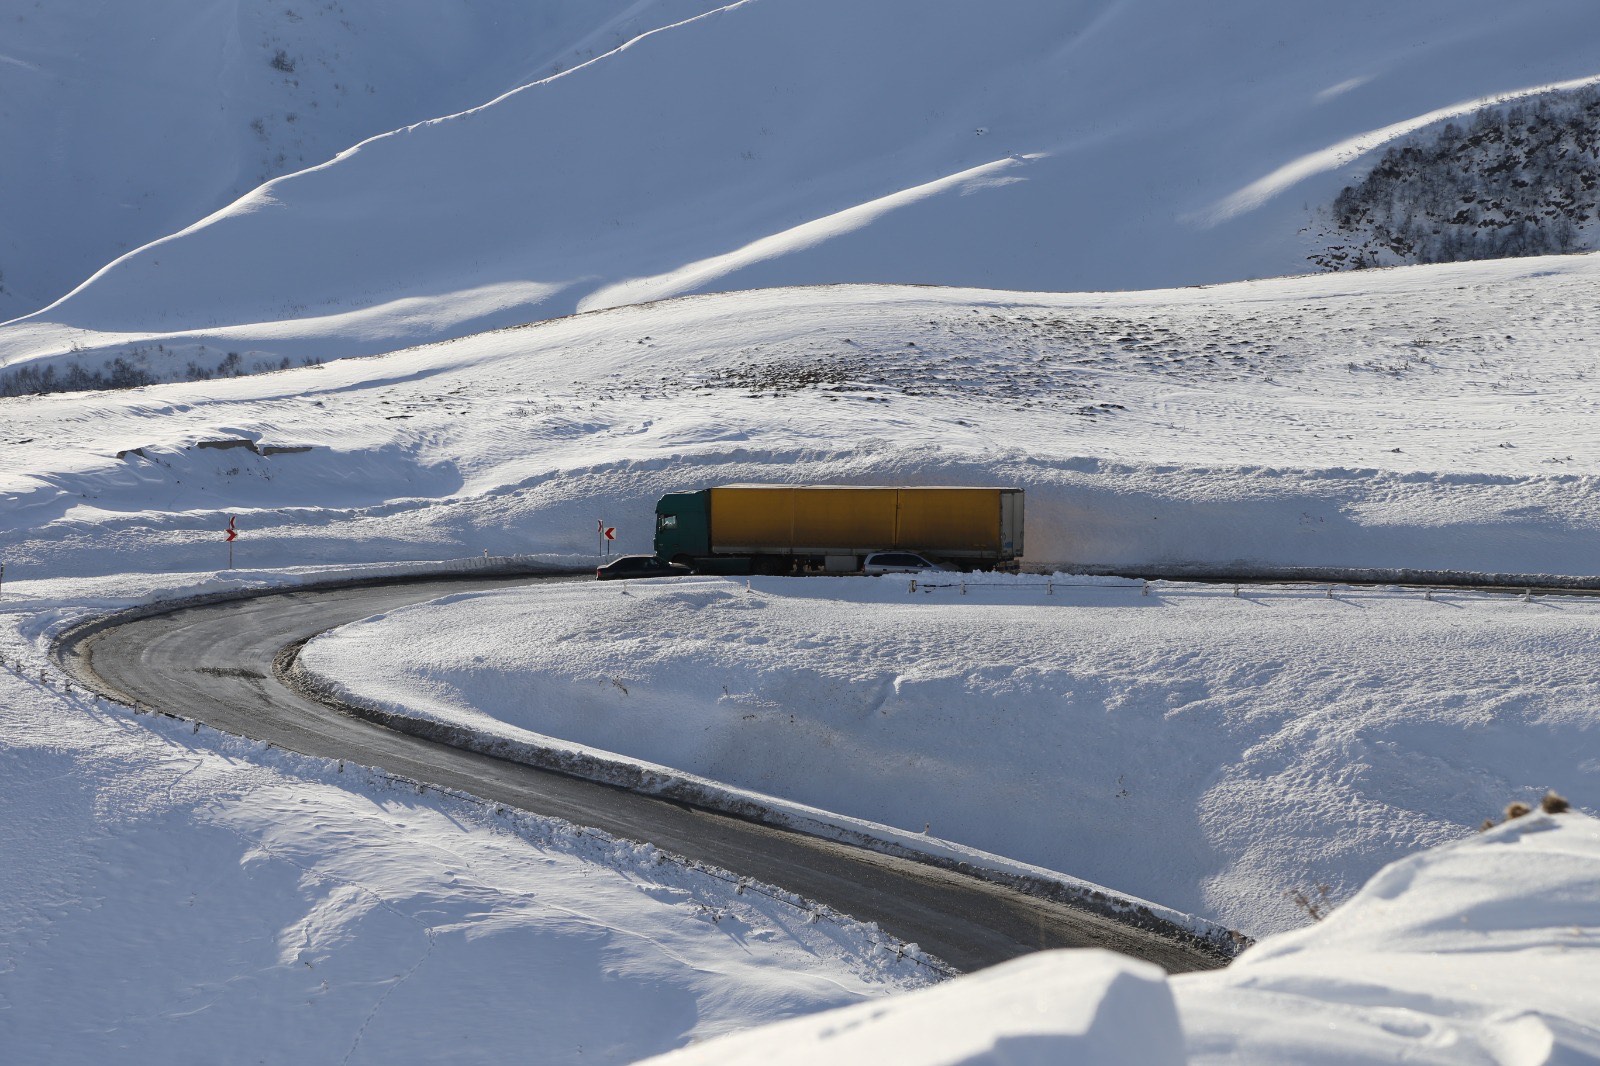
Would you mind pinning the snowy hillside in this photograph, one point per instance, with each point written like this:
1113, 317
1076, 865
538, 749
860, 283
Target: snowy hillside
1211, 753
170, 894
1424, 417
1428, 417
1032, 145
1431, 418
126, 122
592, 251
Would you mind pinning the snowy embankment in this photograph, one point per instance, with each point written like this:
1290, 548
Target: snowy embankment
169, 893
1212, 753
1033, 145
1477, 952
1433, 418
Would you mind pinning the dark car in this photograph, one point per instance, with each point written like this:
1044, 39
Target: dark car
639, 566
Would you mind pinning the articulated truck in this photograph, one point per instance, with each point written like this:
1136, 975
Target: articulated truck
780, 529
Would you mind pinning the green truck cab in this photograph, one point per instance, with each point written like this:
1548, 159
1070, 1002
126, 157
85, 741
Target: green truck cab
683, 526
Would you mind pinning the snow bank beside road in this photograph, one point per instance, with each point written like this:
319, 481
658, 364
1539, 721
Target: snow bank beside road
1206, 752
1482, 951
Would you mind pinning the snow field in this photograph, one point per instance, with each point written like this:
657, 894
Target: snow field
1476, 952
170, 892
1211, 753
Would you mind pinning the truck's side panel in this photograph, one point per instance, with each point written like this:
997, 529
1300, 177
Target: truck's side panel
843, 517
761, 518
752, 518
827, 520
779, 528
949, 520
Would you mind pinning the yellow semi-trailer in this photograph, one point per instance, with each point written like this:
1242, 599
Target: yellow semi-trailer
778, 528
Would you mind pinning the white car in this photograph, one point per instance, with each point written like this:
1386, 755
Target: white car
898, 562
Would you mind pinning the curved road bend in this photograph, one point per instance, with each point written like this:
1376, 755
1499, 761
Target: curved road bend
213, 663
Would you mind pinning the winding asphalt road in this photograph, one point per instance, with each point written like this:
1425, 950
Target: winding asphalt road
213, 663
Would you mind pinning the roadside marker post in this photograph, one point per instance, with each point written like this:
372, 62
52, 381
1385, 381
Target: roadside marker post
2, 579
603, 536
231, 534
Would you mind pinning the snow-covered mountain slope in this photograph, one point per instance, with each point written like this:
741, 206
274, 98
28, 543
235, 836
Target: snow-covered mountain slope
123, 123
1477, 952
1029, 145
1428, 417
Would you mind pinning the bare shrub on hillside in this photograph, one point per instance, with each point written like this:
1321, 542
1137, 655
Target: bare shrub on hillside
130, 370
1516, 180
1315, 903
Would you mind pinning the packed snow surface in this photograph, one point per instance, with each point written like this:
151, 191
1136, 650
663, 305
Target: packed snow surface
172, 894
1210, 752
1478, 952
1026, 145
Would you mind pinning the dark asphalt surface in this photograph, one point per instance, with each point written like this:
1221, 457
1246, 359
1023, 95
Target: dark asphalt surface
213, 664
